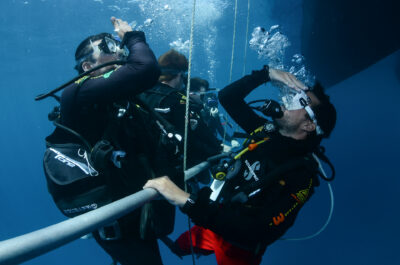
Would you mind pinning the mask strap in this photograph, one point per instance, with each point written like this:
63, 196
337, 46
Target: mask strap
84, 58
310, 113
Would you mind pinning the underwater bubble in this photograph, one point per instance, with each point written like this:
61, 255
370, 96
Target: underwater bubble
148, 22
114, 8
133, 24
299, 70
179, 14
180, 46
270, 45
298, 58
273, 27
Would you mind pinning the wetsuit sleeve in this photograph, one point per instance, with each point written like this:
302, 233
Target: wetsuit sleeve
138, 74
247, 224
232, 99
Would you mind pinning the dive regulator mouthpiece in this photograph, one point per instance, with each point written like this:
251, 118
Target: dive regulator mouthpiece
271, 108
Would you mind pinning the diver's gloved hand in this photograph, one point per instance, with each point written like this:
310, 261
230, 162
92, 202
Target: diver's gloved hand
262, 75
286, 79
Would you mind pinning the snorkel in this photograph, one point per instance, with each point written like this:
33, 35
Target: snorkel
52, 92
109, 45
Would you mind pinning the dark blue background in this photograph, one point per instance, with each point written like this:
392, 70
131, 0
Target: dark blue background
38, 39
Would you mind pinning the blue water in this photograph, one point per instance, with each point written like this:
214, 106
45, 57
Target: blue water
38, 40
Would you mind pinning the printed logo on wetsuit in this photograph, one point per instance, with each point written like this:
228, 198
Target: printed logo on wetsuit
251, 171
301, 196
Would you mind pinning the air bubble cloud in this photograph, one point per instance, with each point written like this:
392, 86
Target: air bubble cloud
271, 46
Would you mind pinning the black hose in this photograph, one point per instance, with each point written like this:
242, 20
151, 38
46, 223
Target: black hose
255, 101
52, 92
218, 157
84, 141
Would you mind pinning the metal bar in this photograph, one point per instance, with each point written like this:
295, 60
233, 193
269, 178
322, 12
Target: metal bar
193, 171
34, 244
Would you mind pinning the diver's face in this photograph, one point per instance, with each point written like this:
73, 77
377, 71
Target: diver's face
293, 120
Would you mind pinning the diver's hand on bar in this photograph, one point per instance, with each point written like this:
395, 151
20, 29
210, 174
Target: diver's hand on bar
121, 27
287, 79
168, 190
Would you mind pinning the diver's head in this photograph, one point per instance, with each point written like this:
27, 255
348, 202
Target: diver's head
307, 114
96, 50
199, 85
174, 66
198, 88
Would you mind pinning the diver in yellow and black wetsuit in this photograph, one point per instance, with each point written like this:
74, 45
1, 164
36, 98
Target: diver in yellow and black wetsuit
264, 187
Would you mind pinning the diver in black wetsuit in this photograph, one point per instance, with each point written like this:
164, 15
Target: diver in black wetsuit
87, 106
168, 97
271, 178
202, 94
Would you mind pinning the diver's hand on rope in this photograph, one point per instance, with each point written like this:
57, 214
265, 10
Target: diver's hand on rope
168, 190
287, 79
121, 27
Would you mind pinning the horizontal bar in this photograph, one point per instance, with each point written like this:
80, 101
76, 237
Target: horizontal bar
193, 171
34, 244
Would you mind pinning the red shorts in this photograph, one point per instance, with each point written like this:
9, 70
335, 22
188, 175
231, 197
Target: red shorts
206, 242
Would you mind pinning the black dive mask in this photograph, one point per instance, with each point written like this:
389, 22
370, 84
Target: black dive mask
109, 44
270, 108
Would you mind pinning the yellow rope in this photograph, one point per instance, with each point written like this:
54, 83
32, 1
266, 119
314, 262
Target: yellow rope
232, 58
247, 35
187, 117
233, 41
188, 88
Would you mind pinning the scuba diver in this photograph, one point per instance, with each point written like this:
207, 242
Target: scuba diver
168, 98
202, 94
267, 182
102, 148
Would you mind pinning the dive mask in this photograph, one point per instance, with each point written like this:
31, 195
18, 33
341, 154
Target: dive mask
300, 100
108, 45
212, 102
